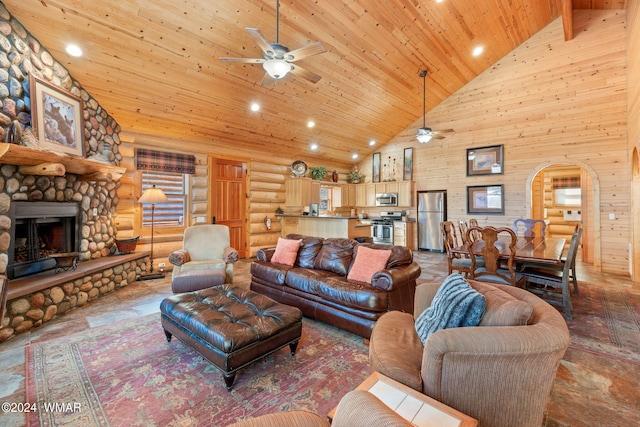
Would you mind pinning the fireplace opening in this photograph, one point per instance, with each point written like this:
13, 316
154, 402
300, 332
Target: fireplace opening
39, 230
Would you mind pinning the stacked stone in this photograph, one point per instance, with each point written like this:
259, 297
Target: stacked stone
21, 55
98, 231
30, 311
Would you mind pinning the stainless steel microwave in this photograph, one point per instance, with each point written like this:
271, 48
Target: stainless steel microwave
387, 199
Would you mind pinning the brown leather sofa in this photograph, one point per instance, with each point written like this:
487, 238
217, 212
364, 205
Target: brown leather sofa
317, 283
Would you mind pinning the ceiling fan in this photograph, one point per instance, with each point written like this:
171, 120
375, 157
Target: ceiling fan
425, 134
278, 59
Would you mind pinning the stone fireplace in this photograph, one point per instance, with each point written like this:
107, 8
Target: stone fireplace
39, 230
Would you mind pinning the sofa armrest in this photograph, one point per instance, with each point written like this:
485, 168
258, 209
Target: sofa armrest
395, 277
361, 408
265, 254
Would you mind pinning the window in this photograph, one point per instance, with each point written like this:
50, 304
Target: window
166, 214
568, 196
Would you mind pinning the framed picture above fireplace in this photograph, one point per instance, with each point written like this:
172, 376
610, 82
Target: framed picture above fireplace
56, 117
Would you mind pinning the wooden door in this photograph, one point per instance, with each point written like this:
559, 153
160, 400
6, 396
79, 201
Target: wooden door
229, 199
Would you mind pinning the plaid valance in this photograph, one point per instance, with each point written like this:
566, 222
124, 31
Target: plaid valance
161, 161
566, 182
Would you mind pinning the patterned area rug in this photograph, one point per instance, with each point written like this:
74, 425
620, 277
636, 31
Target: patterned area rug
607, 320
128, 375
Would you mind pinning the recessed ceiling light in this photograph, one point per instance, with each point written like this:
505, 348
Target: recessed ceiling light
74, 50
314, 146
354, 156
311, 124
439, 1
478, 50
372, 142
255, 107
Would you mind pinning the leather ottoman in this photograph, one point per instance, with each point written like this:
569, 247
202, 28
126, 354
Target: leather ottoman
230, 326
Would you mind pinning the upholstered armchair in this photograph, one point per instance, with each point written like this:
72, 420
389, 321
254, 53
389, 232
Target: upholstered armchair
500, 375
358, 408
205, 260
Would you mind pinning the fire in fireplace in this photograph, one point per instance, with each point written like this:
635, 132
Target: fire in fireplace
38, 230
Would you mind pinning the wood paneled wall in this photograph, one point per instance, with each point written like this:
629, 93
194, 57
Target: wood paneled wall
548, 102
633, 124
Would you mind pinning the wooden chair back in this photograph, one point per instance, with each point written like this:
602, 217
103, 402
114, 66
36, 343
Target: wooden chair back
530, 227
494, 266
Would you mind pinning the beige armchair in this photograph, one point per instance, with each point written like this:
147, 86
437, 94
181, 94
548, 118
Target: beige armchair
205, 260
500, 375
357, 408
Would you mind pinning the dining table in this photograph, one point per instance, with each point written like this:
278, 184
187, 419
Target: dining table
537, 249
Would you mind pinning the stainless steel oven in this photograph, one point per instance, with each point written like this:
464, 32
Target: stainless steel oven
382, 227
382, 231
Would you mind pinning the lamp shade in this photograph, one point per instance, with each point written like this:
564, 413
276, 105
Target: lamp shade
276, 68
153, 195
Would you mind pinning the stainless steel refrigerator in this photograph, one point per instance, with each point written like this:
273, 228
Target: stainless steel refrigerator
432, 210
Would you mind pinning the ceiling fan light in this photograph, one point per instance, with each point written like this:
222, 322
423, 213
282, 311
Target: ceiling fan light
424, 135
276, 68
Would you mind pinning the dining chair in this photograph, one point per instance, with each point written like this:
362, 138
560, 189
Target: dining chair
551, 282
464, 226
494, 268
530, 227
454, 261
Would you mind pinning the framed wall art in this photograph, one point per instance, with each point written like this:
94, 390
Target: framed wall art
407, 166
485, 199
375, 168
56, 116
485, 160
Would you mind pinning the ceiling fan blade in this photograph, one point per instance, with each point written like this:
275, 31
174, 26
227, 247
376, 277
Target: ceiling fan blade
247, 60
262, 42
436, 136
445, 131
299, 71
305, 51
267, 80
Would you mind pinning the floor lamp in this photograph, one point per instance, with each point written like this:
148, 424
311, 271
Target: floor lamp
152, 195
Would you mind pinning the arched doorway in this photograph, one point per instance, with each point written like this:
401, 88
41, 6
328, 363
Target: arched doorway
542, 203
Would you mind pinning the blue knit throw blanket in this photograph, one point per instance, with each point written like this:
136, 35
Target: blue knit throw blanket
456, 304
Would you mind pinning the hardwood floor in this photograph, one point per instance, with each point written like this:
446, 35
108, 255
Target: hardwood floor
144, 297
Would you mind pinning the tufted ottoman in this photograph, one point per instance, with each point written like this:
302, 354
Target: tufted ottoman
230, 326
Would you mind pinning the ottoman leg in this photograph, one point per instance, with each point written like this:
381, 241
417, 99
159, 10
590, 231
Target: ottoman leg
228, 380
293, 346
168, 335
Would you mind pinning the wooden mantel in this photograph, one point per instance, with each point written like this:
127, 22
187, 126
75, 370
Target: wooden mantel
90, 170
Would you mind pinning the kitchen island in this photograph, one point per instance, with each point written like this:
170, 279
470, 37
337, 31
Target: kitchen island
325, 226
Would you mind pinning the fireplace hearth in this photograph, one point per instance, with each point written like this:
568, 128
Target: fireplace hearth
39, 231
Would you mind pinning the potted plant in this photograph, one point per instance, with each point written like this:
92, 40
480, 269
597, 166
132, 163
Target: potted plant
355, 177
318, 173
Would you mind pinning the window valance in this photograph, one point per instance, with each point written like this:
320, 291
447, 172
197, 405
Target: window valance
566, 182
161, 161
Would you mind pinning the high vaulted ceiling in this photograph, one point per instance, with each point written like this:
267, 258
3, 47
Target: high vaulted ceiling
154, 65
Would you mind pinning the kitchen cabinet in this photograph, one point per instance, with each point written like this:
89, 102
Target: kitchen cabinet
348, 195
371, 191
361, 195
403, 234
405, 193
297, 192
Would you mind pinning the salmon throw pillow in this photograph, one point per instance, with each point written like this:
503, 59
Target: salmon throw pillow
286, 251
368, 262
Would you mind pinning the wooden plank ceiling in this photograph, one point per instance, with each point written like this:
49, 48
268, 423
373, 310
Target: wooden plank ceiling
153, 65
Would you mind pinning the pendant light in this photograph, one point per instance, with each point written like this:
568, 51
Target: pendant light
424, 133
